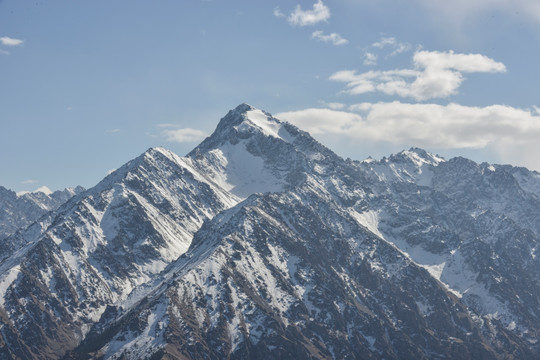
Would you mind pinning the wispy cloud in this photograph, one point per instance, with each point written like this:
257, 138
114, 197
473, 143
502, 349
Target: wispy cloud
370, 59
44, 189
112, 131
391, 42
333, 105
29, 181
278, 12
172, 133
317, 14
333, 38
435, 75
512, 132
384, 42
372, 52
7, 41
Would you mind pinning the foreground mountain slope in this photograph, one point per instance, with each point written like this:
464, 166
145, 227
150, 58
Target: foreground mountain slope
118, 235
97, 248
294, 276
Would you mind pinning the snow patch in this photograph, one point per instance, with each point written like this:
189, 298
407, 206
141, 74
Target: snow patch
6, 281
236, 170
435, 270
368, 219
268, 126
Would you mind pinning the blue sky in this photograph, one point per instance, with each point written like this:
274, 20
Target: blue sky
87, 86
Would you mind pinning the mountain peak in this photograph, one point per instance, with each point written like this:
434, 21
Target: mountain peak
248, 119
158, 150
251, 151
418, 157
244, 122
243, 107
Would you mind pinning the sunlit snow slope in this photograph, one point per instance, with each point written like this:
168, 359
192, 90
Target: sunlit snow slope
262, 243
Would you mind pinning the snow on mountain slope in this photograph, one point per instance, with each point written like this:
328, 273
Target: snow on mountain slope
413, 165
20, 210
264, 243
465, 226
102, 244
244, 278
293, 276
251, 151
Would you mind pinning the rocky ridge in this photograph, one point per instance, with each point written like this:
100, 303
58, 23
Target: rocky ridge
263, 243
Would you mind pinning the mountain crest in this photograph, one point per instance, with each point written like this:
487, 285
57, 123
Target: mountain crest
241, 123
418, 157
263, 243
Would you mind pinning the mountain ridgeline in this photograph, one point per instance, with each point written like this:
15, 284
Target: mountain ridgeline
262, 243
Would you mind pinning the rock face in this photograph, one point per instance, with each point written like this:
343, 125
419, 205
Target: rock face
262, 243
96, 248
18, 211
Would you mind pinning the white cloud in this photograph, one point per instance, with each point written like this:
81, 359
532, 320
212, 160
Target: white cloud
333, 38
29, 181
459, 62
7, 41
435, 75
278, 13
360, 107
400, 48
370, 59
391, 42
44, 190
322, 121
112, 131
512, 132
336, 105
333, 105
319, 13
182, 135
385, 41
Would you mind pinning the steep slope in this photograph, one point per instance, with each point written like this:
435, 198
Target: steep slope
18, 211
294, 276
472, 226
99, 246
314, 270
293, 253
251, 151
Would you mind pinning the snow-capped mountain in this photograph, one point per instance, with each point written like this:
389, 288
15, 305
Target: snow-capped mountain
262, 243
20, 210
474, 227
99, 246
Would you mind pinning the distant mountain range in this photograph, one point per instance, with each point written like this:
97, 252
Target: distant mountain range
20, 210
262, 243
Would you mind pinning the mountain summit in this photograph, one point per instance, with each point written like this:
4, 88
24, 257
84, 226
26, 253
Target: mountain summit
263, 243
251, 151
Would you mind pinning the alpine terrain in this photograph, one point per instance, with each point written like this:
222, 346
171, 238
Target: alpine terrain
262, 243
18, 210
